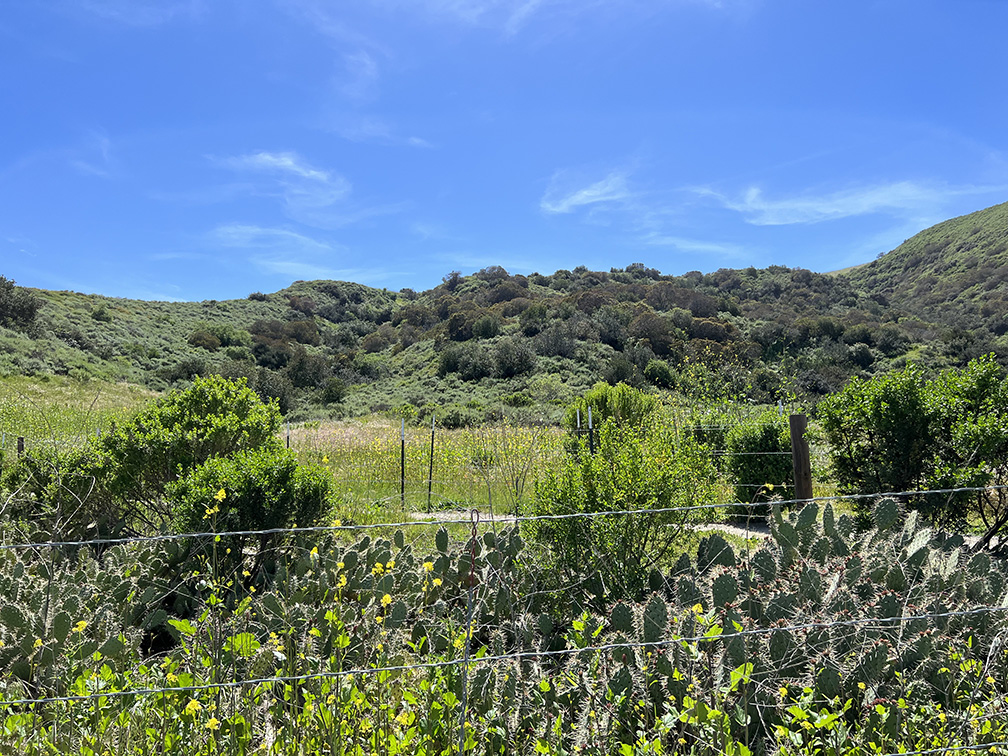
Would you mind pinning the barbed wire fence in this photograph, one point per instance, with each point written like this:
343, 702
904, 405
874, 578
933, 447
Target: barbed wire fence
490, 625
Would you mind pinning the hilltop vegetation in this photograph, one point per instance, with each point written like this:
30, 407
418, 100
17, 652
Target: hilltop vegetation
476, 346
954, 273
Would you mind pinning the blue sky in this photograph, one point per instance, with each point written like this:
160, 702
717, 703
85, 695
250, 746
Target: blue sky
204, 149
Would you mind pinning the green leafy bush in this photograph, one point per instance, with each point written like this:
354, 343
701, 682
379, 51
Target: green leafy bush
879, 432
256, 489
902, 432
626, 405
660, 374
118, 480
18, 306
514, 356
758, 459
647, 466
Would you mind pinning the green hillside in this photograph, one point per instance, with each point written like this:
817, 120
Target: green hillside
954, 273
478, 346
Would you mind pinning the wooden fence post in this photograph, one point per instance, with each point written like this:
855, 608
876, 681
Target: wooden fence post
800, 457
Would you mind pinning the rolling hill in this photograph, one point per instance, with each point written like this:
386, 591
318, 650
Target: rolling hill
490, 343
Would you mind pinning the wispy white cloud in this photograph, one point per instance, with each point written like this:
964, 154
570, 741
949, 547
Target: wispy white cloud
278, 162
245, 236
699, 246
561, 197
281, 251
376, 130
309, 195
900, 198
507, 15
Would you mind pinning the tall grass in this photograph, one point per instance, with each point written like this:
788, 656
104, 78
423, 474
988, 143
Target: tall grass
488, 468
62, 411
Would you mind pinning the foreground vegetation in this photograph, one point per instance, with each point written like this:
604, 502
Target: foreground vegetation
211, 590
371, 646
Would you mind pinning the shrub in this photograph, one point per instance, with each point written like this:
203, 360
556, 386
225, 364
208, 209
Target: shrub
334, 391
879, 432
264, 488
620, 370
101, 314
486, 327
660, 374
117, 481
204, 340
275, 387
643, 468
18, 306
307, 370
514, 356
759, 461
173, 435
901, 432
625, 405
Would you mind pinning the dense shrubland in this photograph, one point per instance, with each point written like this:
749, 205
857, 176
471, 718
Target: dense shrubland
480, 345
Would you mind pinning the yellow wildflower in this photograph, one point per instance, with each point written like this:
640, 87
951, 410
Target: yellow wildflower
390, 565
220, 495
325, 460
79, 627
213, 724
437, 582
193, 707
386, 600
428, 566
